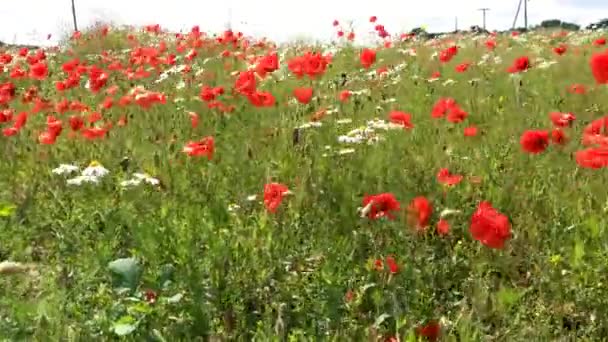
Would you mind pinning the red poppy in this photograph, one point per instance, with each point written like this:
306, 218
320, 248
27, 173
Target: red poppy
592, 158
519, 65
470, 131
462, 67
401, 118
194, 119
261, 99
560, 50
419, 213
381, 205
577, 89
456, 114
367, 57
534, 141
245, 83
273, 195
303, 95
447, 54
47, 138
489, 226
595, 133
393, 267
599, 67
442, 106
344, 95
558, 136
203, 148
443, 227
39, 71
445, 177
76, 122
431, 330
600, 42
562, 119
150, 296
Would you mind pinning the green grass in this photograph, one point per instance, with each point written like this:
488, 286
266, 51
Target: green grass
244, 273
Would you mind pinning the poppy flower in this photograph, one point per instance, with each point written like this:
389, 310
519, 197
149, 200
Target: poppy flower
431, 330
344, 95
595, 133
560, 50
599, 67
470, 131
534, 141
562, 119
558, 136
39, 71
592, 158
194, 119
462, 67
519, 65
599, 42
441, 107
577, 89
303, 95
203, 148
443, 227
393, 267
489, 226
419, 213
446, 55
273, 195
401, 118
380, 205
446, 178
367, 58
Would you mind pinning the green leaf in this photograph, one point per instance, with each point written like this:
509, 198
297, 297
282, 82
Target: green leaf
7, 209
508, 297
166, 275
381, 319
122, 329
126, 271
175, 299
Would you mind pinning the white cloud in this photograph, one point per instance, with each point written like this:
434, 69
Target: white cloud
31, 20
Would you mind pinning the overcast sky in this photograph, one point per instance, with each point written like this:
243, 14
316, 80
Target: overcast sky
29, 21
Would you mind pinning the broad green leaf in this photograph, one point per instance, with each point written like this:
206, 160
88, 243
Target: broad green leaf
126, 271
166, 275
508, 297
175, 299
381, 319
122, 329
7, 209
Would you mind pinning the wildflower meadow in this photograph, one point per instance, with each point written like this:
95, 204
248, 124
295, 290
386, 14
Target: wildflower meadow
160, 186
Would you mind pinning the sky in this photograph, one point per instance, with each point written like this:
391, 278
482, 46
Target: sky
30, 21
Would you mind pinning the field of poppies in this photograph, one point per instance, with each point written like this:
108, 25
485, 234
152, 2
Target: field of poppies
164, 187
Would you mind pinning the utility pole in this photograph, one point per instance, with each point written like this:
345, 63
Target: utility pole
526, 14
74, 16
455, 24
484, 10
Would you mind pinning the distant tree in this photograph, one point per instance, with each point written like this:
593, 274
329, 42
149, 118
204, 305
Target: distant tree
570, 26
602, 24
551, 23
419, 31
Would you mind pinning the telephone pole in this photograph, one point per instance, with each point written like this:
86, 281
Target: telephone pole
484, 10
526, 14
74, 16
